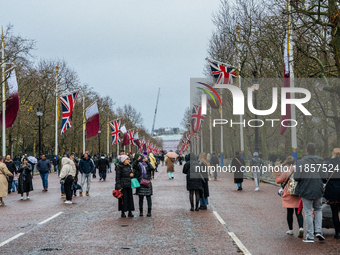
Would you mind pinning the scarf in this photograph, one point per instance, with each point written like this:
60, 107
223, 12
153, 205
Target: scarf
142, 167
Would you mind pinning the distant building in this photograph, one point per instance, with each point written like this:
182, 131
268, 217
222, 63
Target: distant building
170, 136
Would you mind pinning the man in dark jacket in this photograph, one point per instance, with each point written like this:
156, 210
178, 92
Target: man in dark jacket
44, 166
86, 168
12, 168
214, 162
109, 158
310, 189
103, 164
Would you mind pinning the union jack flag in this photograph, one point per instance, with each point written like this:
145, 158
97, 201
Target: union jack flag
147, 147
191, 130
131, 138
187, 135
67, 103
196, 118
222, 74
115, 131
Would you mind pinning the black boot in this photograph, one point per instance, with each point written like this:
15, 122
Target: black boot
197, 207
130, 214
337, 236
149, 212
192, 207
123, 215
141, 212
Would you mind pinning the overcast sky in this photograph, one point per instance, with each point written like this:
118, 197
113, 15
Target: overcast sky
125, 49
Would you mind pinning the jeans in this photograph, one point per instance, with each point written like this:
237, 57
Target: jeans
14, 185
171, 175
102, 175
62, 188
308, 206
86, 177
110, 168
239, 185
44, 179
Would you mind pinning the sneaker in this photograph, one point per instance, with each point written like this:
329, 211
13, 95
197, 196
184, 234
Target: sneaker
22, 198
300, 233
307, 240
87, 193
320, 236
27, 198
290, 232
80, 194
257, 189
63, 195
68, 202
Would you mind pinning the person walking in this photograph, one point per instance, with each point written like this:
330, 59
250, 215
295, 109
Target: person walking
103, 165
256, 164
55, 163
153, 162
332, 191
204, 166
25, 184
273, 158
237, 165
13, 169
95, 163
157, 163
310, 189
194, 182
67, 173
161, 158
44, 166
75, 179
124, 175
4, 174
109, 158
143, 170
214, 161
291, 202
170, 168
86, 168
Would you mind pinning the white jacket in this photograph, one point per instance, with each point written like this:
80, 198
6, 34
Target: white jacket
68, 168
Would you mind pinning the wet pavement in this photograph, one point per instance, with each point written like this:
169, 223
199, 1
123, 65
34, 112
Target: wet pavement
93, 225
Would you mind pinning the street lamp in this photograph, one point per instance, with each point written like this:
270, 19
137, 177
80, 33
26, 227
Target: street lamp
99, 132
255, 88
39, 114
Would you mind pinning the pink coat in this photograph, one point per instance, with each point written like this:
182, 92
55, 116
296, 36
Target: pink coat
288, 201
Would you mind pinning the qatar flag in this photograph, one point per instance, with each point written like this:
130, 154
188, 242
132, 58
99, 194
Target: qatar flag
92, 121
13, 102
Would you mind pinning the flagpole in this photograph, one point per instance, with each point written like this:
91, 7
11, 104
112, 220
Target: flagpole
211, 149
84, 124
222, 163
291, 77
238, 30
108, 136
56, 111
117, 141
201, 140
3, 65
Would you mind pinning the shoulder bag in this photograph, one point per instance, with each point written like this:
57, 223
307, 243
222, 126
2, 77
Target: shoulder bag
284, 185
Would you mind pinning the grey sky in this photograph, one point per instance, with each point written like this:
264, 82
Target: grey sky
126, 49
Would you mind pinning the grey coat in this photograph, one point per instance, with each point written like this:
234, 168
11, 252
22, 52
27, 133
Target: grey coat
310, 184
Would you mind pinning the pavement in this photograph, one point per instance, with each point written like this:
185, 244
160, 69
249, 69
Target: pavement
236, 222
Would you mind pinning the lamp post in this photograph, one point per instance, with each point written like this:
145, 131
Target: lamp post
255, 89
39, 114
99, 132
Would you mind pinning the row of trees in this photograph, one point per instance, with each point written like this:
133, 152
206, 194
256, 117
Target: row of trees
37, 84
315, 28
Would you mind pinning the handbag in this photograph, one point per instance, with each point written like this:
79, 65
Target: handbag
134, 183
145, 182
117, 194
284, 185
291, 186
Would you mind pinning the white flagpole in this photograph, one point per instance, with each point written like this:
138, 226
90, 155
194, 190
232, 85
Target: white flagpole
201, 140
108, 136
84, 124
291, 75
3, 65
222, 163
211, 149
238, 30
56, 110
117, 142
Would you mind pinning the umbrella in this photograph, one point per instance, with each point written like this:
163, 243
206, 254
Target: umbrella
33, 160
172, 154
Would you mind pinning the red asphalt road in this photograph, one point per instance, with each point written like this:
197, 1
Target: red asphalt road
93, 225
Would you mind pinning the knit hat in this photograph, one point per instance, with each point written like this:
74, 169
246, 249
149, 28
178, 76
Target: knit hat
145, 154
123, 158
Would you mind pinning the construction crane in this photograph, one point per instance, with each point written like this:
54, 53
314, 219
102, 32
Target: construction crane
154, 118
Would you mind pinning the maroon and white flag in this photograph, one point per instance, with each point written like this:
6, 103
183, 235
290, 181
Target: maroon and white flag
92, 121
126, 140
13, 101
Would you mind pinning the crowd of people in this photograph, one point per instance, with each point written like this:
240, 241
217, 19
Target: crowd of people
302, 188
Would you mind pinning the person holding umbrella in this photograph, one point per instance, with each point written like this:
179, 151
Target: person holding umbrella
170, 164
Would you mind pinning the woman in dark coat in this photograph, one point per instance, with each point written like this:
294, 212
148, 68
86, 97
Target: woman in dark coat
204, 164
236, 165
194, 181
332, 191
142, 170
25, 179
123, 183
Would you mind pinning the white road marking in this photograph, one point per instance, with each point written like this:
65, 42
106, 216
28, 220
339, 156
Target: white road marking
239, 243
233, 236
51, 218
11, 239
219, 218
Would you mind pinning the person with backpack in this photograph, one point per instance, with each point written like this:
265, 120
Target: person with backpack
103, 165
291, 202
214, 162
256, 164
